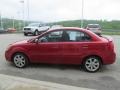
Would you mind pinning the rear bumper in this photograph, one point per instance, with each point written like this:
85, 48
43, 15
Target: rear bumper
97, 32
110, 58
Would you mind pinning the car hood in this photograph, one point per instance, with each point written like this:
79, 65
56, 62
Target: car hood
20, 42
31, 27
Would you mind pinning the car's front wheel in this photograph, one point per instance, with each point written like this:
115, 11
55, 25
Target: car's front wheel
36, 33
92, 64
25, 34
20, 60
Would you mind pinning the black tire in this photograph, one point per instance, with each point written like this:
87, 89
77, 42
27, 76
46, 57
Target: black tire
36, 33
25, 34
92, 64
20, 60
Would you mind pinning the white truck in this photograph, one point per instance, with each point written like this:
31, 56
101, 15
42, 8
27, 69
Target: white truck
35, 29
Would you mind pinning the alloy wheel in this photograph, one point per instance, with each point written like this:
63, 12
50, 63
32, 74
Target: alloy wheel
20, 60
92, 64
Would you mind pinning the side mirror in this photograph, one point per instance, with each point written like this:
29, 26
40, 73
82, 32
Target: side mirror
36, 40
43, 39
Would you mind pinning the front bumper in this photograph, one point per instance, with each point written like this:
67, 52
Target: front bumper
8, 56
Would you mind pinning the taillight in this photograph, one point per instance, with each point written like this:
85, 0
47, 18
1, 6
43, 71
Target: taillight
111, 46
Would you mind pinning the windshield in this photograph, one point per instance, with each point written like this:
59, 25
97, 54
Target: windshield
34, 24
93, 26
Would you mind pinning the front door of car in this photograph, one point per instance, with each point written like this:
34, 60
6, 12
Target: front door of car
48, 49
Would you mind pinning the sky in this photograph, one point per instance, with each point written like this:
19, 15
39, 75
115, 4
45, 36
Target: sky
60, 10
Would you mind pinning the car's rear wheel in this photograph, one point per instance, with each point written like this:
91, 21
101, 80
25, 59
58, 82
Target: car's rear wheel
92, 64
20, 60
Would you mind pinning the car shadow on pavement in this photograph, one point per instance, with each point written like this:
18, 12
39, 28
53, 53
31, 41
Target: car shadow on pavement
56, 66
105, 68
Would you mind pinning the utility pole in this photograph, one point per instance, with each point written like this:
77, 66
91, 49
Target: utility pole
19, 22
28, 17
82, 16
13, 23
22, 4
1, 23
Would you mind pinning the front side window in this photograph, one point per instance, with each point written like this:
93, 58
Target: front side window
54, 36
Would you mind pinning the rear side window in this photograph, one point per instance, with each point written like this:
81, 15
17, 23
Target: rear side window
77, 36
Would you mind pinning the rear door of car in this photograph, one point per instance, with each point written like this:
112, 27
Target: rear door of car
75, 48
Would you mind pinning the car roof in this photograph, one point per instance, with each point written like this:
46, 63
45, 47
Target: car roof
93, 24
66, 28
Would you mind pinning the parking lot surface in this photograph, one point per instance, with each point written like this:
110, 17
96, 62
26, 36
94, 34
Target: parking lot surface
108, 78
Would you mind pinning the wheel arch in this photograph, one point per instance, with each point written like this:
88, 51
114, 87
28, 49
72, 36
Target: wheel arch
21, 53
100, 58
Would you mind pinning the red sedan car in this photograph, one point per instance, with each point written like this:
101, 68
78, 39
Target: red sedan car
66, 45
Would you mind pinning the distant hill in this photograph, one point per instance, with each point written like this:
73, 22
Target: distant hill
18, 24
104, 24
8, 23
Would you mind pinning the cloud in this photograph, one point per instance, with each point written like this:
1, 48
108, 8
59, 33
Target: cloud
57, 10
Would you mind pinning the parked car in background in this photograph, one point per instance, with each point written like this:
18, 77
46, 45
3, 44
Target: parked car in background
11, 30
2, 30
94, 28
55, 26
67, 45
35, 28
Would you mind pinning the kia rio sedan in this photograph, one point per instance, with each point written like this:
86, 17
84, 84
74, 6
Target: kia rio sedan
65, 45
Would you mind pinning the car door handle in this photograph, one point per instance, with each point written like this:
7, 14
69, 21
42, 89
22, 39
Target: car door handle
85, 46
55, 47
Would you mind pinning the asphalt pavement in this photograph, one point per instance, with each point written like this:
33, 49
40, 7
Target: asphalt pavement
108, 78
8, 82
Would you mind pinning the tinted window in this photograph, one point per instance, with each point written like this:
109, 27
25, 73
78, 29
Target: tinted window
65, 36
